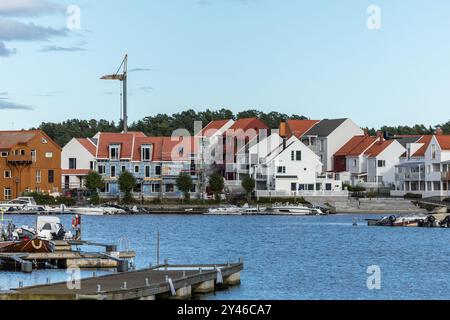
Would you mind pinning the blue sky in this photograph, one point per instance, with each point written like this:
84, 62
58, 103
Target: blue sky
315, 58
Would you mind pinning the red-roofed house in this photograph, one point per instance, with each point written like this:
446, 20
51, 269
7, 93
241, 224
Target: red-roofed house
78, 158
298, 128
155, 162
426, 168
29, 162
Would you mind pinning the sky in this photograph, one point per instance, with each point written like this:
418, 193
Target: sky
317, 58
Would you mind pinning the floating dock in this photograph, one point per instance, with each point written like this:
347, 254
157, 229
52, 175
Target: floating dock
65, 256
159, 282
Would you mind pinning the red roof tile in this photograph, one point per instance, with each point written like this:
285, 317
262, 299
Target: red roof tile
126, 142
88, 145
356, 146
444, 141
9, 139
179, 149
213, 127
378, 148
77, 172
426, 141
249, 123
157, 143
299, 127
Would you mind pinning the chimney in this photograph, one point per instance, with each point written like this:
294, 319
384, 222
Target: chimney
366, 132
283, 129
439, 132
380, 136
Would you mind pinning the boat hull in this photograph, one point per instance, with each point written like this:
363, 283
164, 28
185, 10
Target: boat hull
28, 246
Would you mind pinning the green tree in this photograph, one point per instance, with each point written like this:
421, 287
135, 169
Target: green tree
248, 183
126, 184
216, 183
94, 181
184, 183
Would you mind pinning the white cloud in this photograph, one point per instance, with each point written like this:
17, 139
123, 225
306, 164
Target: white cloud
28, 8
12, 30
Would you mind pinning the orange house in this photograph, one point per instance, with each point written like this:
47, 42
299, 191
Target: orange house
29, 162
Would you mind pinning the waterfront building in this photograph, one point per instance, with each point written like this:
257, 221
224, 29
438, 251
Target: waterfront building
29, 162
155, 162
78, 158
424, 168
291, 169
326, 137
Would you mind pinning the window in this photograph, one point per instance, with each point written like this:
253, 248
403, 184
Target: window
293, 187
4, 154
113, 171
155, 188
355, 163
137, 169
105, 188
44, 141
101, 169
296, 155
92, 165
51, 176
22, 152
123, 169
147, 171
433, 152
158, 170
321, 145
49, 155
7, 194
381, 163
170, 188
114, 152
38, 176
7, 174
33, 155
16, 152
281, 170
72, 163
146, 153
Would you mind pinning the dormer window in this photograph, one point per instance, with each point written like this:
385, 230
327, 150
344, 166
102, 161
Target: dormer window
146, 152
114, 152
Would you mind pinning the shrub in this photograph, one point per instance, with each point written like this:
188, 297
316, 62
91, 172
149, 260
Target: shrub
447, 200
127, 182
184, 183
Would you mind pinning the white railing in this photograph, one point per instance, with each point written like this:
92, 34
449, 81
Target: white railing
287, 194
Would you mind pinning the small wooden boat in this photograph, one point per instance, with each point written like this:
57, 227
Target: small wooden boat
27, 246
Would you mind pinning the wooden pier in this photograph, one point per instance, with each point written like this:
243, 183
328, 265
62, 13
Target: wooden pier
65, 257
159, 282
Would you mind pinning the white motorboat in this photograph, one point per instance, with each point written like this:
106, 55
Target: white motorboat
50, 228
295, 210
96, 211
225, 210
247, 210
21, 204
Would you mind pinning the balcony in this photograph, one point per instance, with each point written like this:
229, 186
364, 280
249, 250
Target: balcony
20, 160
415, 176
446, 176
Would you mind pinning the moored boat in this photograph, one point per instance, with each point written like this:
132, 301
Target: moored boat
297, 210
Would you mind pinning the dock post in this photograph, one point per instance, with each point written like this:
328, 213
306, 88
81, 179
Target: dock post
122, 266
26, 267
233, 279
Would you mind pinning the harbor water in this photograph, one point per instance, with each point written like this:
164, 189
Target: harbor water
285, 257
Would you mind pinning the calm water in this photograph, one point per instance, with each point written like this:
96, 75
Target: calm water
285, 257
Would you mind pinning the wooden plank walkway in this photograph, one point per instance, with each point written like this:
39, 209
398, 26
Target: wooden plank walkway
166, 281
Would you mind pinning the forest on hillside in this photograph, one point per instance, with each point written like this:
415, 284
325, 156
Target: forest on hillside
164, 124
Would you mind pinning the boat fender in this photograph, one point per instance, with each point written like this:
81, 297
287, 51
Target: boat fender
39, 247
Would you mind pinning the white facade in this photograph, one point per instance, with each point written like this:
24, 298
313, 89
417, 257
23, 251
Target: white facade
427, 175
381, 168
292, 169
76, 161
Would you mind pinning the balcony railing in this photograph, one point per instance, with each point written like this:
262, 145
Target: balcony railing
416, 176
446, 176
20, 159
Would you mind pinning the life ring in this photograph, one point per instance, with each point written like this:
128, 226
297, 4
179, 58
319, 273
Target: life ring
39, 247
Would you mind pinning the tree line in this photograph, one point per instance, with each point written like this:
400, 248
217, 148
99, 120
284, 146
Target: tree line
164, 124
